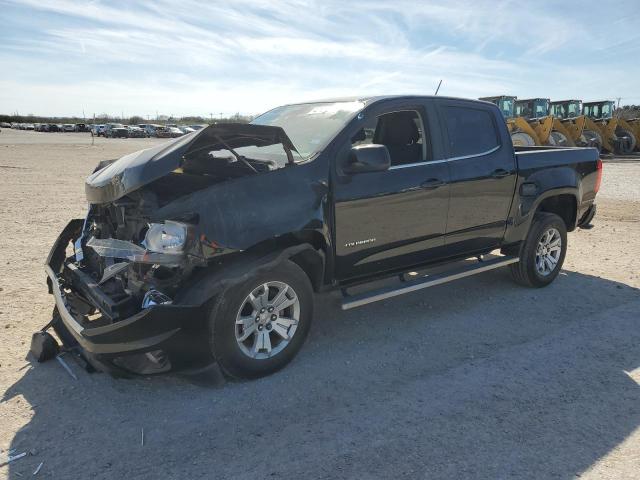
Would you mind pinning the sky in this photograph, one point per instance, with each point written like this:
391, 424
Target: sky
180, 58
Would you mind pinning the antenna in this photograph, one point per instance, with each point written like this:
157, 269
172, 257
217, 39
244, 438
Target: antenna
438, 89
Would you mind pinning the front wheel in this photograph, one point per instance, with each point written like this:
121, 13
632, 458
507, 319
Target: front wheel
542, 252
259, 325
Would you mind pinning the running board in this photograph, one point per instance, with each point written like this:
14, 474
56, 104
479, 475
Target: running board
353, 301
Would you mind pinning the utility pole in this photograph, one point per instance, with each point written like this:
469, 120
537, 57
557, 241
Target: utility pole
618, 107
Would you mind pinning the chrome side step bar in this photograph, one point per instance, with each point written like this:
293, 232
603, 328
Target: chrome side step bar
353, 301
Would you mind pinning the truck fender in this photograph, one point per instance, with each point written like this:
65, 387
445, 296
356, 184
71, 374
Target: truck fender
227, 272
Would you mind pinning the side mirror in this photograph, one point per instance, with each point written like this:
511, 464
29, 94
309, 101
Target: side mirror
368, 158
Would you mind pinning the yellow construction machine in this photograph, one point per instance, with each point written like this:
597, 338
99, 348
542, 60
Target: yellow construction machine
634, 123
549, 129
617, 134
522, 135
583, 130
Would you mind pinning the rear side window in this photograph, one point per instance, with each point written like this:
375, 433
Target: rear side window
471, 131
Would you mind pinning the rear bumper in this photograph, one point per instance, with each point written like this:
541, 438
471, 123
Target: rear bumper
176, 333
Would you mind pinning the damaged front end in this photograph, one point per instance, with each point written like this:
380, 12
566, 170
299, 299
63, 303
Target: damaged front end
119, 276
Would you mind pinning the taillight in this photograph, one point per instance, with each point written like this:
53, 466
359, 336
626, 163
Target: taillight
599, 175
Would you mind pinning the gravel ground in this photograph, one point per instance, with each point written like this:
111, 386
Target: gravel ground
475, 379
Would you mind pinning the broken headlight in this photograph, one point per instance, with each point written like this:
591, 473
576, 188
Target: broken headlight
167, 237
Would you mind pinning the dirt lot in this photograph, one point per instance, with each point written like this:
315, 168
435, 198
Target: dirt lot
477, 379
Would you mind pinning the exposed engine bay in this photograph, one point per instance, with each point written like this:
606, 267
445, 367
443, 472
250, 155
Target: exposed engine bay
127, 246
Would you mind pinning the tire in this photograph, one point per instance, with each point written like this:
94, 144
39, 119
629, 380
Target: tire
243, 359
558, 139
628, 141
521, 139
527, 271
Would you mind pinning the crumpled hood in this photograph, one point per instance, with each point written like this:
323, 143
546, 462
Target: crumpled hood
140, 168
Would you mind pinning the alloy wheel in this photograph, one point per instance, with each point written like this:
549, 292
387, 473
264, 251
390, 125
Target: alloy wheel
548, 252
267, 320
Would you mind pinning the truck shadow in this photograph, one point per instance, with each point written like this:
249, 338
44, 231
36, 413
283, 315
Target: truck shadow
475, 379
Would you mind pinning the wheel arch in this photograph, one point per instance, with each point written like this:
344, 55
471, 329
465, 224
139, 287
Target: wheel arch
231, 269
565, 205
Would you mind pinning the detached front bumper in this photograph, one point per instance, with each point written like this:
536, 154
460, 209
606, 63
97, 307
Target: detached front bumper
170, 337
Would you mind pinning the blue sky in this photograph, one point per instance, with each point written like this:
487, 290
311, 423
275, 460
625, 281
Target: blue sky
183, 57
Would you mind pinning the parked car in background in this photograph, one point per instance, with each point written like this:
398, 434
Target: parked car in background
69, 127
98, 130
5, 125
115, 130
197, 127
151, 128
43, 127
185, 129
53, 127
136, 132
81, 127
29, 126
60, 127
168, 132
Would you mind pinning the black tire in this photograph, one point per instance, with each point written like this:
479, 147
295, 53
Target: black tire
233, 362
628, 145
525, 272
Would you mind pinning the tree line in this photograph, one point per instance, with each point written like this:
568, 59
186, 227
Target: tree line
134, 120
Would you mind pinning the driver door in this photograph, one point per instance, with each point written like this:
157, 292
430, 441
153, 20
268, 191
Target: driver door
394, 219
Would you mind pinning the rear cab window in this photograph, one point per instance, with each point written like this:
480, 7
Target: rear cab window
471, 131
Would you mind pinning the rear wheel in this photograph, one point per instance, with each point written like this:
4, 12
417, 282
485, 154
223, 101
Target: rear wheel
542, 252
558, 139
591, 138
626, 141
259, 325
521, 139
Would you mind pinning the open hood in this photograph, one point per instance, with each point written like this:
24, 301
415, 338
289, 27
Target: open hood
140, 168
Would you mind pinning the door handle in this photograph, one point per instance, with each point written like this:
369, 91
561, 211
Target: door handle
500, 173
432, 183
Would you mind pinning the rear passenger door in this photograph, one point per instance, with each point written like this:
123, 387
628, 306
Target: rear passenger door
483, 176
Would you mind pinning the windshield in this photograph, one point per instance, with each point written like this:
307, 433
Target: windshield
541, 108
599, 110
309, 126
575, 109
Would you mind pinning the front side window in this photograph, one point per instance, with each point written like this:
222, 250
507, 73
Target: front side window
401, 132
471, 131
523, 110
559, 110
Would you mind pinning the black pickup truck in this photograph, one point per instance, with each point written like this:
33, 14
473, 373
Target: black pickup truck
209, 248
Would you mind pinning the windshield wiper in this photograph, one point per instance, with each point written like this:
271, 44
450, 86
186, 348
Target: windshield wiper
239, 157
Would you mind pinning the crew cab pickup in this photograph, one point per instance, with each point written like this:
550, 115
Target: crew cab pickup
209, 248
